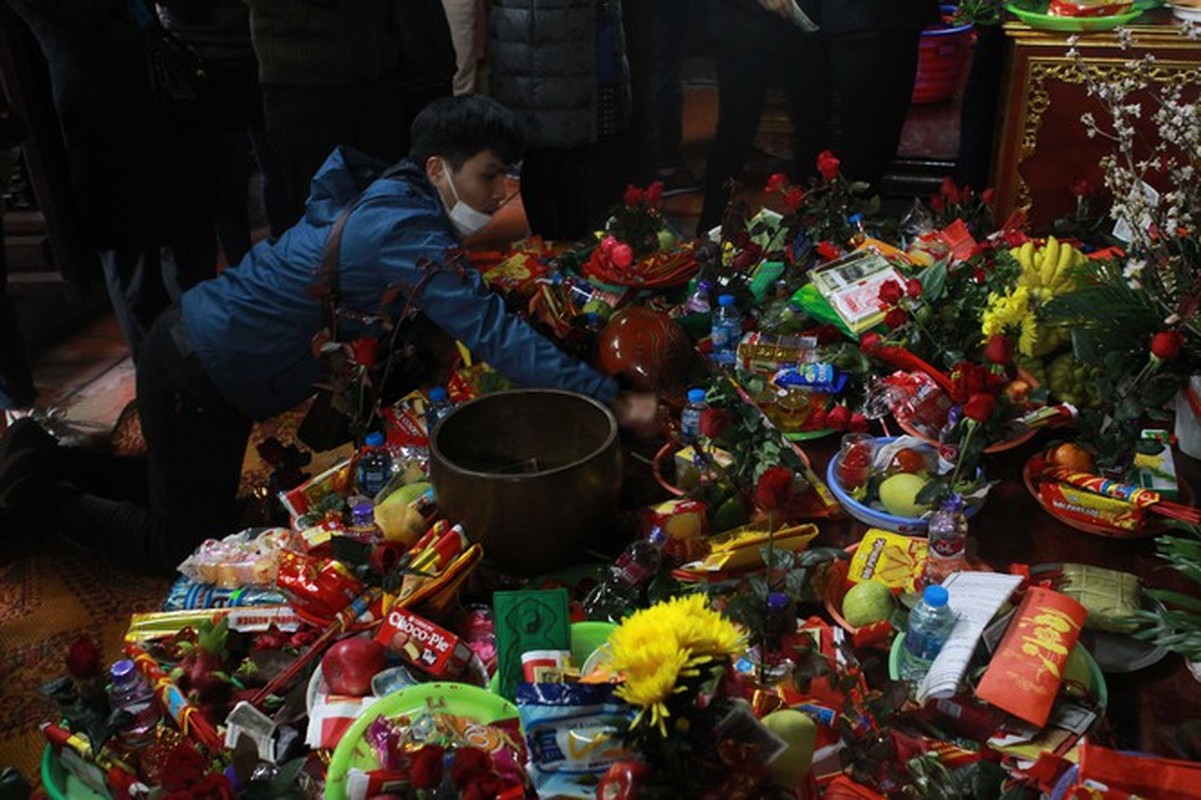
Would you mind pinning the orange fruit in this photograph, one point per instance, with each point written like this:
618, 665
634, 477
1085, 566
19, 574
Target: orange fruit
1073, 457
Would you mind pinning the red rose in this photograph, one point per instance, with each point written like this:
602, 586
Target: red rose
828, 251
654, 193
987, 196
213, 787
774, 488
838, 418
622, 255
83, 658
913, 287
632, 196
1166, 345
467, 763
938, 203
363, 351
980, 407
978, 276
895, 318
826, 334
794, 198
425, 770
828, 164
891, 292
714, 422
999, 349
385, 556
858, 423
869, 342
1081, 187
183, 767
776, 182
950, 191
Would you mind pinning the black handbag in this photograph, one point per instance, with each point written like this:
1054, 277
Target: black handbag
177, 73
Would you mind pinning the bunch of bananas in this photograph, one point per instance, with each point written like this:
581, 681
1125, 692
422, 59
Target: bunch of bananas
1046, 270
1073, 382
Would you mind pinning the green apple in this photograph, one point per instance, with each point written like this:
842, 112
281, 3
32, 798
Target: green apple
867, 602
898, 495
800, 732
666, 239
395, 516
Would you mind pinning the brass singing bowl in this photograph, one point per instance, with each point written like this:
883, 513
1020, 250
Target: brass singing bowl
532, 474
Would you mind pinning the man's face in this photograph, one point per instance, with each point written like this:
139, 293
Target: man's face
480, 182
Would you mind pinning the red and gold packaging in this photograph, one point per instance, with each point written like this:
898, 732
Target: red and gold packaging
1026, 672
423, 644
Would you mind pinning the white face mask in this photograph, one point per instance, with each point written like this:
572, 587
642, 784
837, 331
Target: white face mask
465, 219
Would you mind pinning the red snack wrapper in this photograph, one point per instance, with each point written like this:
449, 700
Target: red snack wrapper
1025, 673
317, 588
403, 426
423, 644
335, 480
1087, 8
686, 526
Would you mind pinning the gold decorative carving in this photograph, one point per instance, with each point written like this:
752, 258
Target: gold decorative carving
1038, 99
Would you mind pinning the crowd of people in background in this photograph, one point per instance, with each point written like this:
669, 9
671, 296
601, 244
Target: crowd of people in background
167, 109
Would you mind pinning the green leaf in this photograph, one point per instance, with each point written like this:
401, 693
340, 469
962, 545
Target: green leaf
934, 281
1175, 599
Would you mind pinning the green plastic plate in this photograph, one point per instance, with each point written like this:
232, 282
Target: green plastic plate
61, 784
1034, 13
461, 699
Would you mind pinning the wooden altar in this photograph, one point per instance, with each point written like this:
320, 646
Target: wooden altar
1043, 146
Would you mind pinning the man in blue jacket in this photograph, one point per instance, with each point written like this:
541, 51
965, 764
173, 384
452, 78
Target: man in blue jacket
240, 347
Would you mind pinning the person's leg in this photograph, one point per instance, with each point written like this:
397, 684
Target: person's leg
742, 76
810, 104
133, 278
667, 32
873, 75
539, 188
461, 16
16, 381
381, 115
195, 443
301, 132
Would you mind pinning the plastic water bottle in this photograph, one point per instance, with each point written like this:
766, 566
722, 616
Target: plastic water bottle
930, 623
698, 301
622, 587
375, 465
726, 332
948, 448
439, 406
690, 417
947, 538
130, 692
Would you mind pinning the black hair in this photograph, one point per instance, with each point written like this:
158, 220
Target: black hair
459, 127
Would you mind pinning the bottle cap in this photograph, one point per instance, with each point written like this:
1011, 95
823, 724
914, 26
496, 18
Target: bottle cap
374, 439
122, 671
696, 395
935, 596
777, 601
703, 285
725, 300
657, 536
362, 512
855, 219
438, 395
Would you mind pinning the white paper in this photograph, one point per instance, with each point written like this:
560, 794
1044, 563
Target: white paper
975, 598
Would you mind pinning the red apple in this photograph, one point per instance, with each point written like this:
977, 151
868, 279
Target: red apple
350, 665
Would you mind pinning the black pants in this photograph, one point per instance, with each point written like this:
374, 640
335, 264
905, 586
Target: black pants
16, 382
153, 512
867, 76
568, 192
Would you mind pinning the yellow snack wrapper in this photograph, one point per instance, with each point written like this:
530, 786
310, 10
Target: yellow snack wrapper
740, 548
889, 558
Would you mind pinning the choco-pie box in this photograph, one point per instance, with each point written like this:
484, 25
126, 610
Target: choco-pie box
423, 644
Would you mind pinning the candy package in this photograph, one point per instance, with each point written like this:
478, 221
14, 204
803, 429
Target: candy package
248, 558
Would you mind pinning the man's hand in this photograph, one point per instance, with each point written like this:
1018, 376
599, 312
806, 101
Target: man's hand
781, 7
638, 413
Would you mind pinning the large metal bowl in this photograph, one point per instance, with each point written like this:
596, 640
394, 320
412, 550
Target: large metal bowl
533, 474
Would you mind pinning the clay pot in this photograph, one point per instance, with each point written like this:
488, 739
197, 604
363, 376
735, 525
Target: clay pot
650, 350
533, 474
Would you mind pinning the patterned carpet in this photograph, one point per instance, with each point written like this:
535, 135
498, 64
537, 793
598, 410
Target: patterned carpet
51, 597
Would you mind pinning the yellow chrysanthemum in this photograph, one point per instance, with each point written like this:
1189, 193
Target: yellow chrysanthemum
1028, 338
650, 678
655, 648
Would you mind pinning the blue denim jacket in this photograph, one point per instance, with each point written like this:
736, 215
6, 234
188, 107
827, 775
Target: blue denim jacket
252, 326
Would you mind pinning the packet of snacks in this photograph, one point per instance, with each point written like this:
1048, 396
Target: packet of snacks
1088, 8
248, 558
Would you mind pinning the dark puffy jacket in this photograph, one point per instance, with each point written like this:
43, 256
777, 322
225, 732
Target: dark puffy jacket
746, 23
548, 59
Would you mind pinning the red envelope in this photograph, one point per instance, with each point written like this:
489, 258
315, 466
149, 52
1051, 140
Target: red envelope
1026, 672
